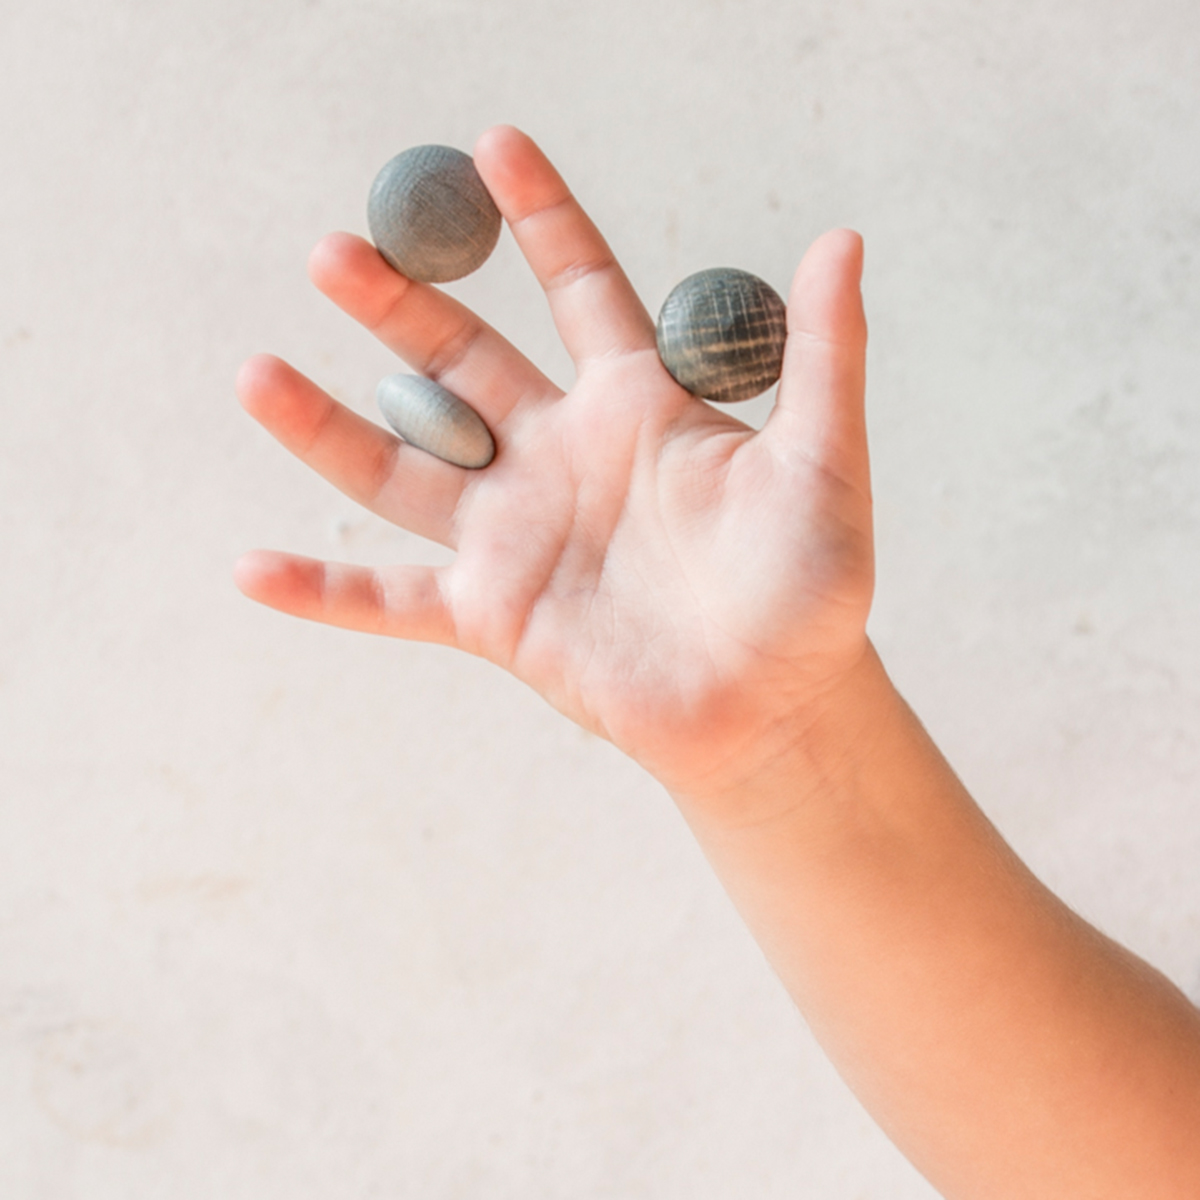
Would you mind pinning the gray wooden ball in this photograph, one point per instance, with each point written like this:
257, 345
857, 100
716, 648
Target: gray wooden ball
435, 420
431, 216
721, 334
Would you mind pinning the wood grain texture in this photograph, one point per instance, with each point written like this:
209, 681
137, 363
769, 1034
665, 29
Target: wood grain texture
721, 334
430, 215
429, 417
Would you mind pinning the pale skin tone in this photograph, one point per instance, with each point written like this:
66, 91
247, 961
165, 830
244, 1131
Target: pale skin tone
697, 592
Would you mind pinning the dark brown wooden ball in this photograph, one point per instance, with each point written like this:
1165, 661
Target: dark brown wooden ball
721, 334
431, 216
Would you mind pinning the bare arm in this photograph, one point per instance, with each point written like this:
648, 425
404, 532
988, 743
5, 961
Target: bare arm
1007, 1047
697, 593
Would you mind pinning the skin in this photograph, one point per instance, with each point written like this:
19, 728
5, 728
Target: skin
697, 592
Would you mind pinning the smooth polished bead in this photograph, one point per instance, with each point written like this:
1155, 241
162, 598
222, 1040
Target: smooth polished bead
429, 417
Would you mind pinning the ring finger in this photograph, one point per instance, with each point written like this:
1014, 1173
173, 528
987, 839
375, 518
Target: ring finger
396, 481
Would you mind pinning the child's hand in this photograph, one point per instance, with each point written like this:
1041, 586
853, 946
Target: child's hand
664, 575
698, 593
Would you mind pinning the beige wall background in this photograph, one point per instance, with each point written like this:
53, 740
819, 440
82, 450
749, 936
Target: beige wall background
289, 912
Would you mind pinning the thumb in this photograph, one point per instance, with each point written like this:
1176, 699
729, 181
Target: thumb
819, 410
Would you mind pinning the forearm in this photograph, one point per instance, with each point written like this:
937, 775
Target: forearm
1007, 1047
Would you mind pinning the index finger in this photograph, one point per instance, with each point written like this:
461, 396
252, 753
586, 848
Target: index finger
595, 309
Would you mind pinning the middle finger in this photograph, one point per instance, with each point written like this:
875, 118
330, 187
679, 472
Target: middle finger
431, 331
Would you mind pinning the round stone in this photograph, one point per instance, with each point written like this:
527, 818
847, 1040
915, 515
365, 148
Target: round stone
430, 215
435, 420
721, 334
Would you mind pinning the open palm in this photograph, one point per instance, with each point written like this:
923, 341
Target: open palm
661, 573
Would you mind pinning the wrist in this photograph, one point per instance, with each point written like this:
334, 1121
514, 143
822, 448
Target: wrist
804, 759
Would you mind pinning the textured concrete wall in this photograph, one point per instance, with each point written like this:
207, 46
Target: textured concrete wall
290, 912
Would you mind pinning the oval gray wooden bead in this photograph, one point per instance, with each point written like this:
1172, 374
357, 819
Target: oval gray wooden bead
431, 216
721, 334
427, 416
